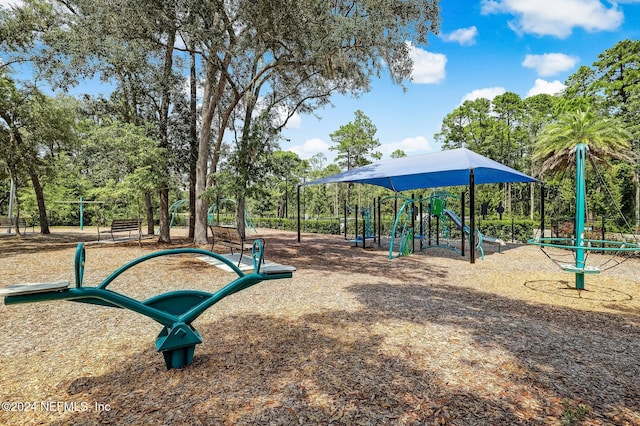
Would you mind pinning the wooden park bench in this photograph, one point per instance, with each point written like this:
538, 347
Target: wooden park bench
122, 225
10, 222
230, 236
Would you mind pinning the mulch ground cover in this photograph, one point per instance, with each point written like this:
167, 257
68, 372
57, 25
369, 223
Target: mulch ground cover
353, 338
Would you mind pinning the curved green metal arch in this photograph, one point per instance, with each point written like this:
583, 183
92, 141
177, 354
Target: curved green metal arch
169, 252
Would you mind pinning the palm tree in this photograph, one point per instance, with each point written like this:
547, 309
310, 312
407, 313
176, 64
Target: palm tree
566, 142
605, 137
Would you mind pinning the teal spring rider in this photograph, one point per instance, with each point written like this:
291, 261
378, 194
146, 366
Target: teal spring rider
580, 245
175, 310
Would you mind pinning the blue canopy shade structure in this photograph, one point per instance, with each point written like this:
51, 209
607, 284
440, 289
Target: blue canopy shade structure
454, 167
432, 170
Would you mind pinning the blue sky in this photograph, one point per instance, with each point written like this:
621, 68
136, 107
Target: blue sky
484, 49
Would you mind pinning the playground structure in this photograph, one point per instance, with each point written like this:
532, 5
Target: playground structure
578, 244
175, 310
429, 221
368, 222
402, 232
174, 209
427, 210
455, 167
81, 203
213, 215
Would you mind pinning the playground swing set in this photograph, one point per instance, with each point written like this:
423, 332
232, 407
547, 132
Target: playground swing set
175, 310
577, 245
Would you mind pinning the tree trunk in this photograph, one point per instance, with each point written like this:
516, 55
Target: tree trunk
42, 210
165, 236
14, 204
148, 203
209, 105
193, 141
16, 138
532, 196
208, 109
240, 204
637, 206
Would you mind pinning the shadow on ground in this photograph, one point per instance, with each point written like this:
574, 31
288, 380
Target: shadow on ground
333, 367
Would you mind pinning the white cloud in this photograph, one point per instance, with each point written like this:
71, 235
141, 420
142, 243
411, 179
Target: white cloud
556, 17
295, 121
464, 36
428, 67
280, 113
550, 63
487, 93
310, 148
548, 87
419, 144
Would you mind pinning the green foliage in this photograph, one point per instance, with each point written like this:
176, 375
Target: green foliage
520, 230
318, 226
356, 142
573, 415
605, 137
398, 153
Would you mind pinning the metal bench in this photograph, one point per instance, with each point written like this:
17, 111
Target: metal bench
122, 225
10, 223
174, 310
229, 236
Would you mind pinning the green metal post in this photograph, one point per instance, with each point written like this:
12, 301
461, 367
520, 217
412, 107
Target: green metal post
81, 215
581, 152
542, 210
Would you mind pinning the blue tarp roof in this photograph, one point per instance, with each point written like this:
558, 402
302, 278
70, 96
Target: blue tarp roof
432, 170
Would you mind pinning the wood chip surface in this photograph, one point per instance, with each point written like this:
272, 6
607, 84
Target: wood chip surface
352, 339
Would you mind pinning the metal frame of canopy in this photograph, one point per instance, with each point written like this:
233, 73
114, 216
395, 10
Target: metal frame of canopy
454, 167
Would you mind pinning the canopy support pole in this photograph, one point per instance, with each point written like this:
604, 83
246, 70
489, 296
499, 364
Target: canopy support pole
472, 217
462, 237
355, 233
346, 218
421, 223
298, 203
542, 211
379, 224
413, 223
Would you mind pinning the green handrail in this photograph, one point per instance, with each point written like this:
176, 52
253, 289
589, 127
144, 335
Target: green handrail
168, 252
